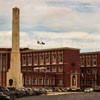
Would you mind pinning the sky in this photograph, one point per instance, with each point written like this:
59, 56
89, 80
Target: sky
57, 23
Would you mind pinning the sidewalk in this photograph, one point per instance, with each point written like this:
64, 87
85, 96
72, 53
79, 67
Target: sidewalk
60, 93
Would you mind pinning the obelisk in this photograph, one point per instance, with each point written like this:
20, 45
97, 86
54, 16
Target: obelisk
14, 75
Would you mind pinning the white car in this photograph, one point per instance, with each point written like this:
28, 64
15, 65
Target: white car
87, 90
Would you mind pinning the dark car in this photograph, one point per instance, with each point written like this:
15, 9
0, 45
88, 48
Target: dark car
6, 91
12, 91
4, 96
20, 93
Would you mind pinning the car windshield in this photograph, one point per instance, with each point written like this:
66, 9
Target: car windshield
3, 89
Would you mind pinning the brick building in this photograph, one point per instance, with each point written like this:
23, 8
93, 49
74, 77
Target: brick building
57, 67
90, 69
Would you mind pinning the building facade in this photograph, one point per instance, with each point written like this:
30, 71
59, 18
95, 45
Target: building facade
90, 69
58, 67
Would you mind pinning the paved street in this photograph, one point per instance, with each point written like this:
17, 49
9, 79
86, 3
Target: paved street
76, 96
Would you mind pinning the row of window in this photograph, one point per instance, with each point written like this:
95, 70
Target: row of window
43, 69
88, 61
39, 81
41, 58
42, 81
89, 71
88, 82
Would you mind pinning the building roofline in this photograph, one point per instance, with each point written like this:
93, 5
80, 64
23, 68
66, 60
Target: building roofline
37, 50
50, 49
92, 52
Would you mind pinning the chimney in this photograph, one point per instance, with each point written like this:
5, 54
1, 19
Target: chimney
14, 75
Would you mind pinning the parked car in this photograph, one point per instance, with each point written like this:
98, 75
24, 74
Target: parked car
87, 90
4, 90
29, 91
91, 89
36, 91
20, 93
12, 91
4, 96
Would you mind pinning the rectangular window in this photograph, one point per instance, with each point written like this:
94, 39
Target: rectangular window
40, 81
27, 80
34, 81
35, 58
23, 59
48, 69
52, 81
88, 61
54, 69
82, 61
23, 69
41, 59
94, 60
29, 59
42, 69
46, 81
4, 62
47, 58
60, 57
54, 58
60, 82
36, 69
29, 70
60, 69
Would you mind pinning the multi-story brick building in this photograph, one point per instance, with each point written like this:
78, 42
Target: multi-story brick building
58, 67
90, 69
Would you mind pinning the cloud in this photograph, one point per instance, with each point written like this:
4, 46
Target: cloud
81, 40
73, 23
39, 15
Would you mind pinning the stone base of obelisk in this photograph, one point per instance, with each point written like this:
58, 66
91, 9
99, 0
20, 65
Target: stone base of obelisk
14, 72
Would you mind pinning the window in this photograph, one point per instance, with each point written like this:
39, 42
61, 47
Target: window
36, 69
35, 58
47, 58
4, 62
29, 57
88, 61
54, 58
60, 82
52, 81
34, 81
41, 59
60, 57
48, 69
29, 70
60, 69
23, 59
40, 81
46, 81
94, 60
23, 69
42, 69
82, 61
27, 81
82, 82
53, 69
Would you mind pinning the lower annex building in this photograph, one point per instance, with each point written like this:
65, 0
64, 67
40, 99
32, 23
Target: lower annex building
57, 67
90, 69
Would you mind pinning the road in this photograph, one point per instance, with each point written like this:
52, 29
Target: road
76, 96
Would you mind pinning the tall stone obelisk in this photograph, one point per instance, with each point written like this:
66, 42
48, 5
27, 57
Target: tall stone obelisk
14, 75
